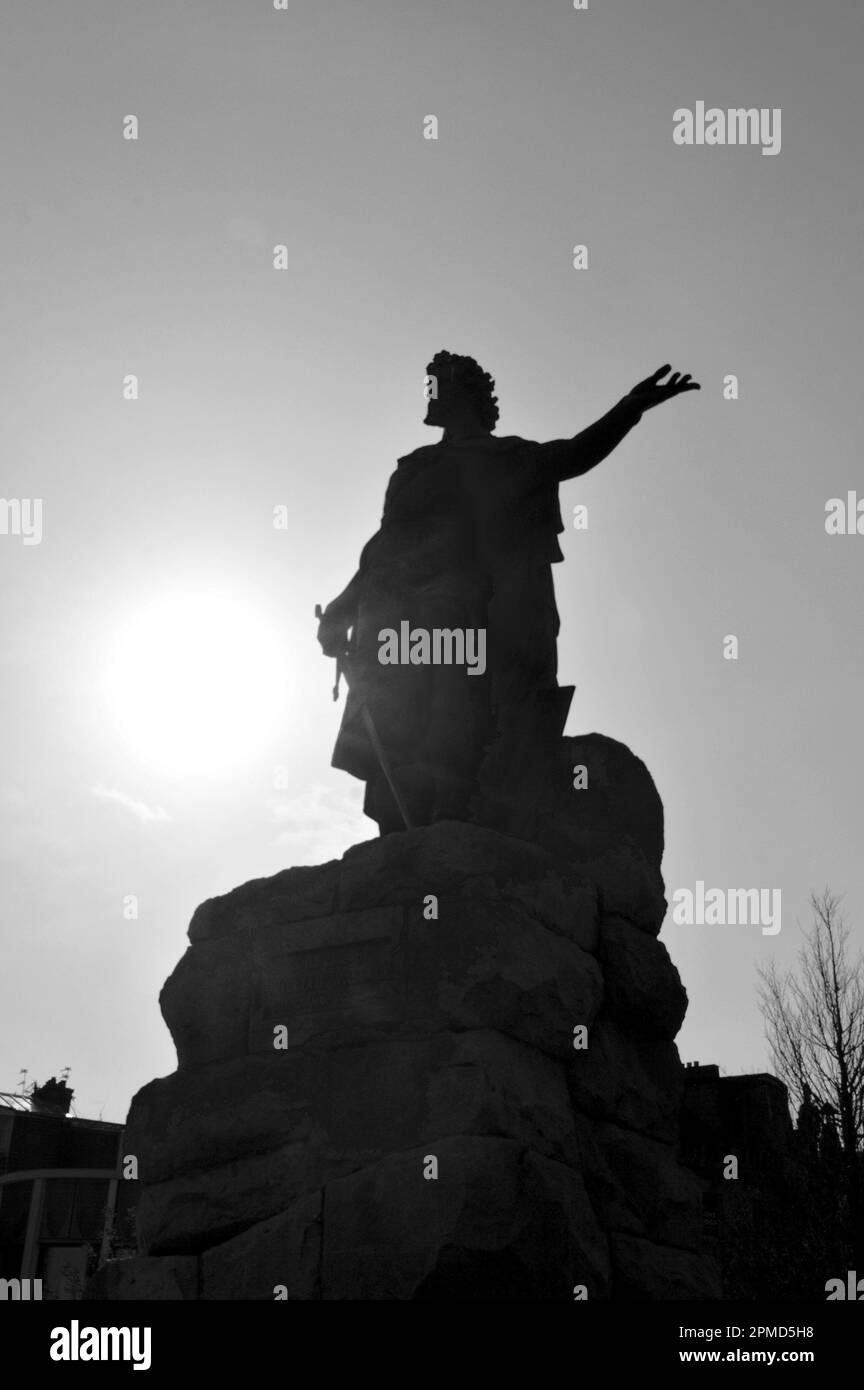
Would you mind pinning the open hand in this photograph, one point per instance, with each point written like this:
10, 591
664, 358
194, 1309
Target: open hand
652, 391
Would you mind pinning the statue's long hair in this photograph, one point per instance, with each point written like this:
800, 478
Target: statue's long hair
471, 377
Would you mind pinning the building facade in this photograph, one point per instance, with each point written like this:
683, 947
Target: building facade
65, 1205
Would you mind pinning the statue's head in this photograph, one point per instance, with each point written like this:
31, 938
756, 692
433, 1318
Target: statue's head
460, 394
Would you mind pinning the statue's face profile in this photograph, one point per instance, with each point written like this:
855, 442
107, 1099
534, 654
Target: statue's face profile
449, 404
439, 395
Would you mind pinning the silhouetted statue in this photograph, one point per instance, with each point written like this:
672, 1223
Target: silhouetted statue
447, 632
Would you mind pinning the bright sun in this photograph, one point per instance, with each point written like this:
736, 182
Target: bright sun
196, 682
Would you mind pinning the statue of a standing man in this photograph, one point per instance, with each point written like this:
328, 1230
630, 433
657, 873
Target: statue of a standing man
466, 544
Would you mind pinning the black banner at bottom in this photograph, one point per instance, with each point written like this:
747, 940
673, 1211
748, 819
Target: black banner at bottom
219, 1339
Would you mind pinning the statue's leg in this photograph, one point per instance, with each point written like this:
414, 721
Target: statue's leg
530, 710
432, 719
523, 634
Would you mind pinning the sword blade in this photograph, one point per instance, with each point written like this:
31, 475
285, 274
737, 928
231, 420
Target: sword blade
377, 746
369, 725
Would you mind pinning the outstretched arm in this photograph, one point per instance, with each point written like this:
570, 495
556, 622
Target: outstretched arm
570, 458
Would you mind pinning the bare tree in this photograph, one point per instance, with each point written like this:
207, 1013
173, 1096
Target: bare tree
815, 1029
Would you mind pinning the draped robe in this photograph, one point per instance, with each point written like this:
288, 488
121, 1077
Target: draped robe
467, 539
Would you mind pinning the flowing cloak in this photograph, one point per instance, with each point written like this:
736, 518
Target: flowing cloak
468, 535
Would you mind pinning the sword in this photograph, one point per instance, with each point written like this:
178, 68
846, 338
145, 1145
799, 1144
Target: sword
377, 746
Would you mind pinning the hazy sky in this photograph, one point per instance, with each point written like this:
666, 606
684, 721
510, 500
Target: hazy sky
167, 723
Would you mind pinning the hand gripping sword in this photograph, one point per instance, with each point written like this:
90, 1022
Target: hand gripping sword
369, 725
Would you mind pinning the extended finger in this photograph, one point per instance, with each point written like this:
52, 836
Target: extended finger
651, 381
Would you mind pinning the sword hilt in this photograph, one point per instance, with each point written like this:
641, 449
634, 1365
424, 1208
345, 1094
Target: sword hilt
319, 614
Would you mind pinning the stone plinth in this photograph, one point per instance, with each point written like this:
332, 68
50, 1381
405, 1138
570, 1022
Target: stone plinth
378, 1095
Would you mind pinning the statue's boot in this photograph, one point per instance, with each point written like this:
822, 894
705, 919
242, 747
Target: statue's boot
453, 795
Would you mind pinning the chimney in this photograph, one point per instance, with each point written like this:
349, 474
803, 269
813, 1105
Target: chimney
54, 1098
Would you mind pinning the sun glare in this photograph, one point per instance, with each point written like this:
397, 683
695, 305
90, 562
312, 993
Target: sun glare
196, 683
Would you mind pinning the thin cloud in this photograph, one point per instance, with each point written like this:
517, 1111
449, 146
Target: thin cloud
139, 809
320, 824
